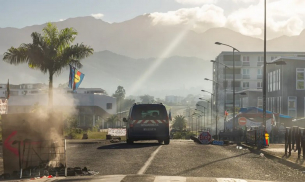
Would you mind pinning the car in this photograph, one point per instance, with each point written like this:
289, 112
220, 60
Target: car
147, 122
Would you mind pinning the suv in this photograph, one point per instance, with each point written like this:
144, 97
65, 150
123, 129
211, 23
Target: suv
147, 122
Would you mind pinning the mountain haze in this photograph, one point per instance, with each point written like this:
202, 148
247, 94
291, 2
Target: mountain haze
141, 38
176, 75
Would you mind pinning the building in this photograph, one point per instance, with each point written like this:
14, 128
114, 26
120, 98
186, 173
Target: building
88, 104
23, 89
248, 75
286, 86
251, 98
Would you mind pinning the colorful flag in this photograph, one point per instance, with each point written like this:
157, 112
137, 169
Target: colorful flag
75, 78
78, 79
71, 76
8, 89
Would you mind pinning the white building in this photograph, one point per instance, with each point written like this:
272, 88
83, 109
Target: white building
89, 104
248, 74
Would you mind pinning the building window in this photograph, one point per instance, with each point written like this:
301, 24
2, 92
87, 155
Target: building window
279, 79
300, 79
292, 106
109, 105
260, 58
245, 85
259, 71
260, 102
259, 84
246, 58
246, 71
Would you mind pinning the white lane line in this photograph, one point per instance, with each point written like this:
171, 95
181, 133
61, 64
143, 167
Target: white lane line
229, 180
111, 178
148, 162
170, 179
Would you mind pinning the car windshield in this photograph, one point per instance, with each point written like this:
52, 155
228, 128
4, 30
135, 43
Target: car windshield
148, 112
152, 90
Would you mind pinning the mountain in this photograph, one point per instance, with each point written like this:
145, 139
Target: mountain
175, 75
141, 38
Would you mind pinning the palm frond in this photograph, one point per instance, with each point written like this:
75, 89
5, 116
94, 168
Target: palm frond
66, 37
50, 34
16, 55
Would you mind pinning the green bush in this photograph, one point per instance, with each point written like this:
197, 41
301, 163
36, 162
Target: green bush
183, 135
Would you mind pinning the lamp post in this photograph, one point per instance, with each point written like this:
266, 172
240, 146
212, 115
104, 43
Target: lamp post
216, 104
211, 103
225, 87
203, 114
234, 49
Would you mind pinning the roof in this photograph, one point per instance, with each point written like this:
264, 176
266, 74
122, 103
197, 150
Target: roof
287, 58
250, 90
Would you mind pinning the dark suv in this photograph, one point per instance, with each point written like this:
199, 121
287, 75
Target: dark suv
147, 122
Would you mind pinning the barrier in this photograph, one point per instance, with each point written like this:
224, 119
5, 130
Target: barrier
258, 137
295, 140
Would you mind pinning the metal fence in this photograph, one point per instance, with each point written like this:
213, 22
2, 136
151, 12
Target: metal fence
295, 140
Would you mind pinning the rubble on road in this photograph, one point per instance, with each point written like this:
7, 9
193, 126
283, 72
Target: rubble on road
45, 171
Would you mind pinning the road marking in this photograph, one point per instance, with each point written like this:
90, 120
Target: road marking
148, 162
170, 178
229, 180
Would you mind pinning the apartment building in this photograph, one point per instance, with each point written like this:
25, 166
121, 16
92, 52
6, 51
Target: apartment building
248, 75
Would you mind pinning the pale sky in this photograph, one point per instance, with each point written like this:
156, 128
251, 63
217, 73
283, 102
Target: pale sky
285, 17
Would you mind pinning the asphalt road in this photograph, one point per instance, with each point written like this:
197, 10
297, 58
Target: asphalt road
180, 158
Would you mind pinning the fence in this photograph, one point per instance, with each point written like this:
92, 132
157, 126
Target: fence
295, 140
258, 137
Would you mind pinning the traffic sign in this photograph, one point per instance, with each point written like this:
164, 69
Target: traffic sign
205, 137
242, 121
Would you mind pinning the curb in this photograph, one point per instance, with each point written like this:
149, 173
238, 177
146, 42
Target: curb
286, 162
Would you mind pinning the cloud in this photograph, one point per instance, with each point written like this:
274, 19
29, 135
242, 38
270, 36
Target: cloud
196, 2
98, 15
200, 18
283, 18
62, 19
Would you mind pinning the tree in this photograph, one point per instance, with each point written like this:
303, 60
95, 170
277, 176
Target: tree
119, 93
179, 123
146, 99
112, 119
49, 52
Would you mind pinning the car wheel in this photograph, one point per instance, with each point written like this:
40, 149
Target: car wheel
129, 141
166, 141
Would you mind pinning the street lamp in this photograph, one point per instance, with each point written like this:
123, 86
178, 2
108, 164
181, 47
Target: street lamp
211, 103
204, 108
225, 87
234, 49
216, 107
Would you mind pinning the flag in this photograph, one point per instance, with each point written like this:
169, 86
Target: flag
71, 76
75, 78
78, 78
8, 89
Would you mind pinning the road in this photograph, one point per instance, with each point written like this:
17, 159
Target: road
180, 158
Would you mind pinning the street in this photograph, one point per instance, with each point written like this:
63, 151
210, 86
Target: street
179, 158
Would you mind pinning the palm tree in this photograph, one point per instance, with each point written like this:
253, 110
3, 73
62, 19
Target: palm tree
112, 119
50, 52
179, 123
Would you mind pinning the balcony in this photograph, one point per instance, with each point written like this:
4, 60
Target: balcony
259, 76
246, 76
246, 63
260, 63
230, 63
230, 76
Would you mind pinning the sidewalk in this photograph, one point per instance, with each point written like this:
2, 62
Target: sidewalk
277, 151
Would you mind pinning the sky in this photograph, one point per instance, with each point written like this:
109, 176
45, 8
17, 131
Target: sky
285, 17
